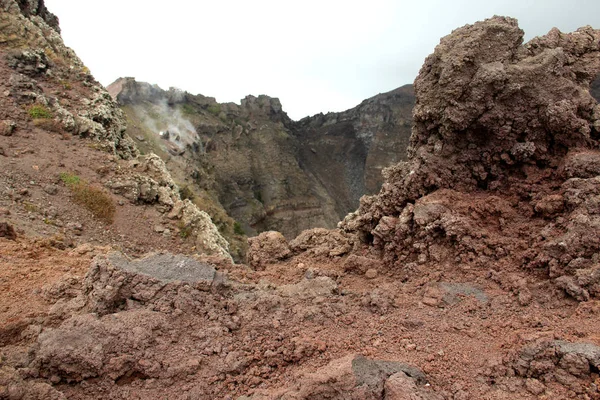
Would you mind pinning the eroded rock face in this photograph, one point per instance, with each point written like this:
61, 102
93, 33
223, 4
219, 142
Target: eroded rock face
147, 181
504, 146
37, 7
349, 149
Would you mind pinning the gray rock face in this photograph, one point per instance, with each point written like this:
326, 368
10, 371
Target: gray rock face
167, 267
113, 279
372, 373
572, 364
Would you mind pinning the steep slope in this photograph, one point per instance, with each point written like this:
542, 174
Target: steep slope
264, 170
64, 149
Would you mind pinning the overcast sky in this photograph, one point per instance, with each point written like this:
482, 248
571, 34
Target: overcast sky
316, 56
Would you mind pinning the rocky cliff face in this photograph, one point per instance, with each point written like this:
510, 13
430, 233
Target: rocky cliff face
347, 151
259, 167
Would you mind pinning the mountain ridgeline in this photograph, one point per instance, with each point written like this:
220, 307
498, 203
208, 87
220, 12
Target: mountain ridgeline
252, 163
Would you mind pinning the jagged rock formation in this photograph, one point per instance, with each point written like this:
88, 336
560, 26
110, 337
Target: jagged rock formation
261, 168
515, 157
35, 50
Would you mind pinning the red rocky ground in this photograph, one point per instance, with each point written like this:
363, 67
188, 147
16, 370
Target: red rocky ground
473, 274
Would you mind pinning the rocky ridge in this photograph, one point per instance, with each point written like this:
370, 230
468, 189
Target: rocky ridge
49, 98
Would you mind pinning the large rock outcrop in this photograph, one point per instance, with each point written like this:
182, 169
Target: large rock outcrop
503, 159
172, 318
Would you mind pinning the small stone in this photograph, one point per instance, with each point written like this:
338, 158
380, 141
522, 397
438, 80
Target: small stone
371, 273
525, 297
75, 226
534, 386
7, 231
7, 128
269, 354
159, 229
51, 189
431, 301
83, 249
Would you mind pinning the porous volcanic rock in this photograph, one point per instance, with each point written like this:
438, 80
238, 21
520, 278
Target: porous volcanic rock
356, 377
572, 364
503, 158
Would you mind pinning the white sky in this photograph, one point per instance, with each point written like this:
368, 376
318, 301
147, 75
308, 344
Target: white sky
316, 56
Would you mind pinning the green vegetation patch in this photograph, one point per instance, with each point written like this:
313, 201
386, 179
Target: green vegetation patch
38, 111
214, 109
237, 229
69, 179
188, 109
